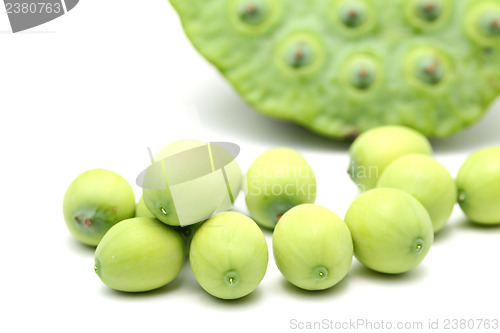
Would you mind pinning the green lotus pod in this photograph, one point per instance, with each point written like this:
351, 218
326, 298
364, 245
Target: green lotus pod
342, 67
478, 183
375, 149
139, 254
229, 255
95, 201
428, 181
392, 232
312, 247
276, 181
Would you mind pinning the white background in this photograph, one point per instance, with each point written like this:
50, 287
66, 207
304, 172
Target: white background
98, 86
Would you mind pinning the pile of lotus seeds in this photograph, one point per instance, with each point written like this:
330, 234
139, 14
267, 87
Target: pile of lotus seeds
406, 197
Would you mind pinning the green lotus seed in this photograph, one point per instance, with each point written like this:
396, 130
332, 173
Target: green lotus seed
374, 150
95, 201
141, 210
229, 255
183, 187
478, 183
312, 247
139, 254
276, 181
391, 230
428, 181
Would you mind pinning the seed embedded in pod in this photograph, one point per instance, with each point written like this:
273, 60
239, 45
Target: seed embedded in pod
300, 53
253, 12
429, 10
254, 17
482, 23
362, 73
352, 13
490, 23
429, 69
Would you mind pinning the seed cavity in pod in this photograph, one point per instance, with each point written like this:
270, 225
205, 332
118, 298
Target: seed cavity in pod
352, 13
362, 72
254, 16
428, 14
429, 10
253, 12
300, 53
490, 24
429, 69
482, 23
353, 17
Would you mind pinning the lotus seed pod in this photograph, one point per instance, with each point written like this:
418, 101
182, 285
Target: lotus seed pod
428, 181
189, 181
433, 64
276, 181
139, 254
95, 201
312, 247
391, 230
478, 183
374, 150
229, 255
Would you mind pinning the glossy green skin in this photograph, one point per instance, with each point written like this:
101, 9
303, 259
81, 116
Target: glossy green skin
375, 149
428, 181
312, 247
195, 200
276, 181
139, 254
478, 183
95, 201
186, 232
229, 255
320, 93
391, 230
141, 210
